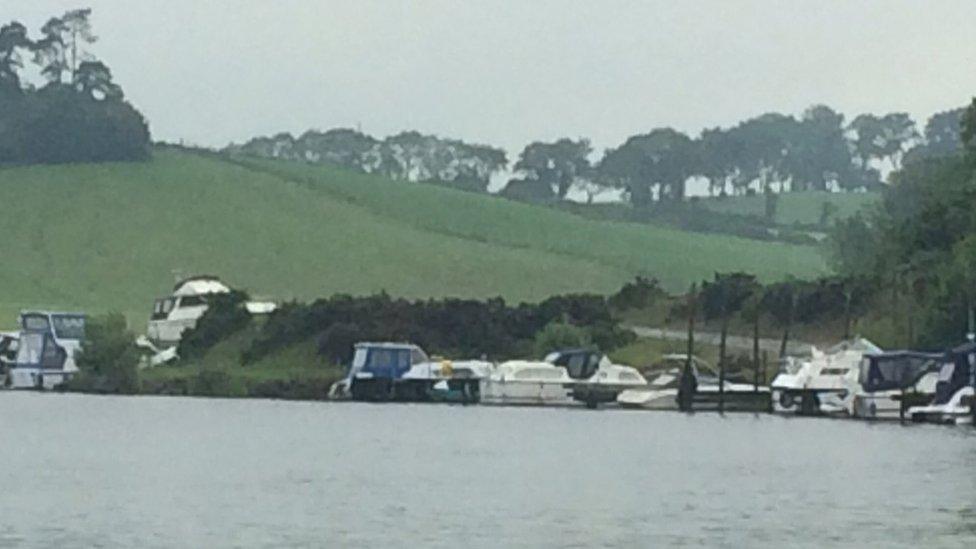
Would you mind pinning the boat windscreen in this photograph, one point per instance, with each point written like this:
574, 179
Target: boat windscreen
955, 374
69, 326
35, 322
886, 372
390, 362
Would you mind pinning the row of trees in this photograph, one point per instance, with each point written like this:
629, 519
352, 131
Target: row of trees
408, 156
78, 113
919, 248
770, 153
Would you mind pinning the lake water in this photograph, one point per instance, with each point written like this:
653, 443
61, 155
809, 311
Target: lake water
82, 471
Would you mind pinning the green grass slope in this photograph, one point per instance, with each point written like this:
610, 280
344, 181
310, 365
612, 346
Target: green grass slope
802, 207
109, 237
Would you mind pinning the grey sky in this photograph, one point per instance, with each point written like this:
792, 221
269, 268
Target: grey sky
508, 72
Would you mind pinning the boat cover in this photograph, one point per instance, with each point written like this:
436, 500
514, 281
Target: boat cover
956, 373
897, 369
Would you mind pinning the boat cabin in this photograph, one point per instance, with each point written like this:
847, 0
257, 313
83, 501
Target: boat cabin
896, 370
178, 312
47, 346
957, 372
579, 363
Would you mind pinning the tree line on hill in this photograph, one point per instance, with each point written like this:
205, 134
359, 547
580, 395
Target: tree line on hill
78, 113
770, 153
407, 156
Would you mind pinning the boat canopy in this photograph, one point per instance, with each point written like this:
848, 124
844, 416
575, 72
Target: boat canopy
957, 372
896, 369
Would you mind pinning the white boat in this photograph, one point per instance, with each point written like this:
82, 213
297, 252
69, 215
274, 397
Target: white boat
48, 345
888, 381
528, 382
661, 393
180, 311
403, 371
824, 382
953, 400
563, 377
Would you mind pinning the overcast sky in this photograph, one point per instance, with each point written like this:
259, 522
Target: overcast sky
507, 72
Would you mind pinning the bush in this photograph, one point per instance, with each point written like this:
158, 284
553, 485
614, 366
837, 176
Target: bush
450, 327
560, 335
337, 341
226, 314
217, 382
639, 294
109, 359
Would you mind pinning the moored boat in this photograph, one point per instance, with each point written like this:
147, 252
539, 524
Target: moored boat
661, 392
823, 383
48, 344
891, 382
953, 400
563, 377
388, 371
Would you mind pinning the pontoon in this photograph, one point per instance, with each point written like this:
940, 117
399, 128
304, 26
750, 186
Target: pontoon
563, 377
404, 372
953, 401
47, 347
825, 382
661, 393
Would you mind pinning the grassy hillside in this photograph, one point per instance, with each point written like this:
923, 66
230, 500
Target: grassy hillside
803, 207
109, 237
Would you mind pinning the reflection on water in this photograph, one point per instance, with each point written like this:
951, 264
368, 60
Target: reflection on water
78, 471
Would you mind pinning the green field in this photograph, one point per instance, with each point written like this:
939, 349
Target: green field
800, 207
111, 236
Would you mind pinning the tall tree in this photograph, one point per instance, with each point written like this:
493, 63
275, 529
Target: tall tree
62, 49
13, 37
94, 79
657, 163
50, 51
817, 152
885, 137
558, 164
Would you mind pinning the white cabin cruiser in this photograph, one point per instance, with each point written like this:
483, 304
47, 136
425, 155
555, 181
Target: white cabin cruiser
825, 382
954, 399
404, 372
173, 315
528, 382
48, 345
889, 382
563, 377
661, 393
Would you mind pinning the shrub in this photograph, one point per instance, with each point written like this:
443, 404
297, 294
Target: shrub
639, 294
109, 359
560, 335
337, 341
216, 382
225, 315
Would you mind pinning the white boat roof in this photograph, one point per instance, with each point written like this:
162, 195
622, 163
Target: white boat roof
49, 313
200, 285
387, 345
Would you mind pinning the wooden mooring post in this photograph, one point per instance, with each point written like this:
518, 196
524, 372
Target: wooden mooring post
686, 391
